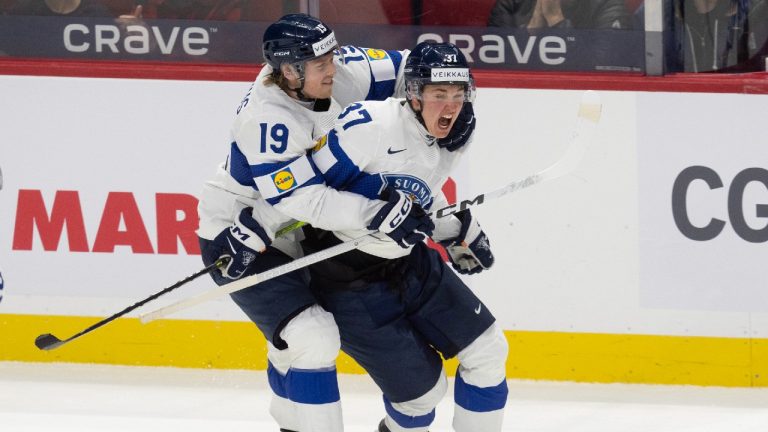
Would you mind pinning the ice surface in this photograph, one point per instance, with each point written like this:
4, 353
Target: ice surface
37, 397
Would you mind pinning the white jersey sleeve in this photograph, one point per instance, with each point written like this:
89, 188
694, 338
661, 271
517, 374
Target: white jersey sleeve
343, 169
368, 74
221, 200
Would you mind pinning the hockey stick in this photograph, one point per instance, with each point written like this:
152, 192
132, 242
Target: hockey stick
48, 341
588, 116
257, 278
590, 109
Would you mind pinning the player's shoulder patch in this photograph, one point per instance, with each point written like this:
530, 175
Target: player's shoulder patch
284, 179
276, 180
320, 143
376, 54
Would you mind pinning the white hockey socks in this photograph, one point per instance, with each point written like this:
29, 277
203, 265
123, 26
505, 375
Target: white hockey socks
306, 400
480, 388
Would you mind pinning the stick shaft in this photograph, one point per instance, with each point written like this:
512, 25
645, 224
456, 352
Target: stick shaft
248, 281
137, 305
588, 116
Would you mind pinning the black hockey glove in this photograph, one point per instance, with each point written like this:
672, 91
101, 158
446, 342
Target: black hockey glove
462, 129
470, 252
243, 241
402, 219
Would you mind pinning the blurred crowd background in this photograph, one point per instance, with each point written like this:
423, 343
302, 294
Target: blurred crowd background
698, 35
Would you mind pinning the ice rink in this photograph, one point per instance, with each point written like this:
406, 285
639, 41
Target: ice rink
36, 397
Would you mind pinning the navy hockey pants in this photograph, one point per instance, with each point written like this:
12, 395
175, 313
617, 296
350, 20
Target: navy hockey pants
392, 332
270, 304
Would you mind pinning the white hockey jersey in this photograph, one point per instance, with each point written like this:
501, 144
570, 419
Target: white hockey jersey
375, 145
270, 139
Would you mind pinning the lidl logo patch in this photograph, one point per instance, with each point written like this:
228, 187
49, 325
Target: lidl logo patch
376, 54
284, 180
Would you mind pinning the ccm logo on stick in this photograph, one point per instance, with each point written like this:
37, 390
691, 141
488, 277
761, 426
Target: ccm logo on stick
736, 207
452, 208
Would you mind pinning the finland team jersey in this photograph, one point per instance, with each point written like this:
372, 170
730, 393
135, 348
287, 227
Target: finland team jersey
375, 145
270, 139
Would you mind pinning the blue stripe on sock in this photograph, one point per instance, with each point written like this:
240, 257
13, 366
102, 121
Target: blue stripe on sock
307, 386
312, 386
408, 421
480, 399
276, 381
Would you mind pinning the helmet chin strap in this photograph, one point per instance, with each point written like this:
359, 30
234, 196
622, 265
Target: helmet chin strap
298, 90
319, 105
299, 94
415, 94
418, 115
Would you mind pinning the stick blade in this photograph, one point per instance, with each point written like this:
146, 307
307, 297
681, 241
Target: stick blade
591, 107
48, 342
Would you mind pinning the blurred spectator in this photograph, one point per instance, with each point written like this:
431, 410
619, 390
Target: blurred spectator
580, 14
6, 6
632, 5
713, 35
723, 35
73, 8
435, 12
360, 12
220, 10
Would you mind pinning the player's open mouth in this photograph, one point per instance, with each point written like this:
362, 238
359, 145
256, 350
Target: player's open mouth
444, 121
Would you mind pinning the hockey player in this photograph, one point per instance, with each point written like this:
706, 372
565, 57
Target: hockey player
292, 102
397, 305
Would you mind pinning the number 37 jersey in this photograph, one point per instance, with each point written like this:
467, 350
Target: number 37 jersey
374, 145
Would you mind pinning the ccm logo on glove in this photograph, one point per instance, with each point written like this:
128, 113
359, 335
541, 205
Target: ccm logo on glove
401, 219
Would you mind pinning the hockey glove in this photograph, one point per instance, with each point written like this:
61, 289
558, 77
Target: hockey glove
402, 219
470, 252
462, 129
243, 241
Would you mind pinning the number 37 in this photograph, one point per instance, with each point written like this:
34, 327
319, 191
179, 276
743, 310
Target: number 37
364, 116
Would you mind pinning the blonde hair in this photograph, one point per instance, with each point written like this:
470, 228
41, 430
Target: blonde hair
275, 78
